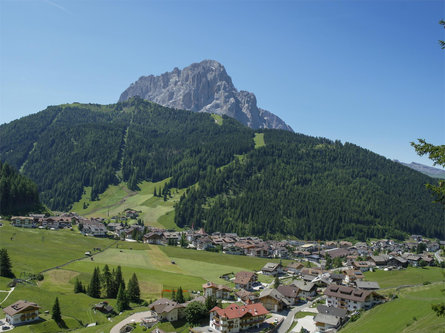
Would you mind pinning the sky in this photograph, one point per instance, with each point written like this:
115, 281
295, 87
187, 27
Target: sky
367, 72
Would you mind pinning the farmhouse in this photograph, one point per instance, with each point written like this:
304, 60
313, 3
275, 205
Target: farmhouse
272, 269
219, 291
235, 318
23, 221
351, 299
307, 289
155, 237
21, 312
167, 309
273, 300
244, 280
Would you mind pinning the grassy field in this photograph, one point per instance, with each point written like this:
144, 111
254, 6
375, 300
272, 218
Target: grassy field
409, 276
243, 262
33, 250
259, 140
410, 312
155, 211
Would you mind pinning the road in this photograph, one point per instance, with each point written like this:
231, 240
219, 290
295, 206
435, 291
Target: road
290, 317
9, 293
134, 318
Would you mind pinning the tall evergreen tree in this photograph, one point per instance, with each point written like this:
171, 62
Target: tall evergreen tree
180, 296
94, 286
107, 283
56, 312
5, 264
174, 295
133, 291
117, 281
78, 286
122, 300
276, 282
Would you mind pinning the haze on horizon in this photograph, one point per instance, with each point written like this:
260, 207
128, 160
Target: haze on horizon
371, 73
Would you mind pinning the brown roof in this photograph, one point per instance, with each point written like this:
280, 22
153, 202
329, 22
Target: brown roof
349, 293
239, 311
288, 291
20, 306
215, 286
164, 305
243, 277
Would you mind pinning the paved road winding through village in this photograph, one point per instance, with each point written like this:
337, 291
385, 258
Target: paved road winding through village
134, 318
286, 324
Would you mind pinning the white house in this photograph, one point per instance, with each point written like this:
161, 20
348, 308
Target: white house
21, 312
235, 318
351, 299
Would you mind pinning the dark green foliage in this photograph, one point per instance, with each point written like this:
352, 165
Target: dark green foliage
210, 302
312, 188
420, 248
143, 140
439, 308
173, 295
108, 283
5, 264
118, 280
276, 282
78, 287
195, 312
18, 194
122, 299
133, 291
180, 296
56, 313
94, 286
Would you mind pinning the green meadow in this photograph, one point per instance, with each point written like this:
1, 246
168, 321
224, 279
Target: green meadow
409, 313
154, 210
409, 276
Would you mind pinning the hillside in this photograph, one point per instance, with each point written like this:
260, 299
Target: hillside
425, 169
18, 194
267, 183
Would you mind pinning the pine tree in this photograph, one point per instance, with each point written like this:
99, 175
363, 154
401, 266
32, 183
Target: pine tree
56, 313
5, 264
94, 286
107, 279
276, 282
180, 296
174, 295
122, 300
133, 291
211, 302
117, 281
78, 287
154, 193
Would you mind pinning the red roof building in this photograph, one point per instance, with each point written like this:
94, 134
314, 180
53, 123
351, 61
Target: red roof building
235, 318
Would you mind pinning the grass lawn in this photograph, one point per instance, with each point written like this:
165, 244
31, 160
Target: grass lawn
244, 262
303, 314
33, 250
259, 140
410, 312
116, 198
409, 276
218, 119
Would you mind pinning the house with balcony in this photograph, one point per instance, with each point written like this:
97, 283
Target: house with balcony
21, 312
244, 280
218, 290
351, 299
23, 221
236, 318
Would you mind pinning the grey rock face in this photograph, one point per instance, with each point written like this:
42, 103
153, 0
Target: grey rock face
204, 87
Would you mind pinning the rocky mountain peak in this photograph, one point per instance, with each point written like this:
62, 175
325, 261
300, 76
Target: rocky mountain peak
204, 87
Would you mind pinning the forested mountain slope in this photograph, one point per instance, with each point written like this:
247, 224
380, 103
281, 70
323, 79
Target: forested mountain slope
18, 194
312, 188
296, 185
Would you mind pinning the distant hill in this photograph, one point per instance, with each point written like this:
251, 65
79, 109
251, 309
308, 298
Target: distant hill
18, 194
263, 182
204, 87
425, 169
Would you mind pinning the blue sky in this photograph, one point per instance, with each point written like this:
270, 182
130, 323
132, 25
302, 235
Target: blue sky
367, 72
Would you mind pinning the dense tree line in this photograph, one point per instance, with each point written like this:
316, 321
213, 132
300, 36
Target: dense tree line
312, 188
18, 194
111, 284
66, 148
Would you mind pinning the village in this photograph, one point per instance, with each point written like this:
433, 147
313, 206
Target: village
321, 289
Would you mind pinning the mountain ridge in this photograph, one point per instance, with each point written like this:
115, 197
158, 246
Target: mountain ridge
204, 87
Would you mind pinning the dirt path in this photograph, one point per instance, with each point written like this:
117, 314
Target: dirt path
134, 318
9, 293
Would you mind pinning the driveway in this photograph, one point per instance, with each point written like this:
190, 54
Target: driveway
290, 317
134, 318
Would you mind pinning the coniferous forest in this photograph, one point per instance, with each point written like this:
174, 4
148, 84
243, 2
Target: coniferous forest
18, 194
295, 185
